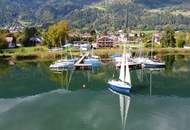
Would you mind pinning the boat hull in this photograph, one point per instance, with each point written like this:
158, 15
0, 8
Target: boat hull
119, 92
60, 66
154, 65
93, 62
122, 88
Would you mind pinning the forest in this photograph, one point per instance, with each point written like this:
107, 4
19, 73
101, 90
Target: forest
97, 14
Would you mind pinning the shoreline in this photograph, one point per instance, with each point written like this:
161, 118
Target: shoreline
103, 53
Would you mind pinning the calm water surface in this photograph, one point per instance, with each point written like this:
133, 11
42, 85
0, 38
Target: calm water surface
34, 98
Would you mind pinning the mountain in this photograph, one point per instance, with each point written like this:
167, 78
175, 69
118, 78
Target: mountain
143, 14
31, 12
98, 14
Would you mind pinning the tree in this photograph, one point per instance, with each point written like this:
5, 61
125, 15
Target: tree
180, 39
188, 39
168, 37
3, 42
56, 34
27, 34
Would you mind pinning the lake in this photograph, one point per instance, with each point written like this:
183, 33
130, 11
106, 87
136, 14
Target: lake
34, 98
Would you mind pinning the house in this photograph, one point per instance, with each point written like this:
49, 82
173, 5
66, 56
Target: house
105, 41
36, 40
122, 38
86, 35
11, 42
131, 35
157, 37
15, 28
74, 34
82, 45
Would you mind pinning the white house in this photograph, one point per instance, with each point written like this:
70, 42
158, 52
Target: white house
10, 41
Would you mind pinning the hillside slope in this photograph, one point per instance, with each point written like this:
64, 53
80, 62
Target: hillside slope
148, 14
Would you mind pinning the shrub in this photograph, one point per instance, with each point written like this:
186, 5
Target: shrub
180, 39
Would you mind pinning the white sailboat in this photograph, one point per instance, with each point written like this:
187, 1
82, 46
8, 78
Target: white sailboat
149, 62
64, 63
124, 82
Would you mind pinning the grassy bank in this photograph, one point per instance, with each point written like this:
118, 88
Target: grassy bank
42, 52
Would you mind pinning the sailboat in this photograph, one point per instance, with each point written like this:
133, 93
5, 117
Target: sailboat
149, 62
124, 82
64, 63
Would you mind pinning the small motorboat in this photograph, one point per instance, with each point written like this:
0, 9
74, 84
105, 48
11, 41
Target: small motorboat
149, 63
153, 64
63, 64
94, 61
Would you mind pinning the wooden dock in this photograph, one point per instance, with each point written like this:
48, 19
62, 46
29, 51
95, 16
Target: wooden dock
133, 66
80, 60
79, 65
83, 66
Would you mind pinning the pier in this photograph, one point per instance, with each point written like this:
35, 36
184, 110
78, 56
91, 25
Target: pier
133, 66
79, 65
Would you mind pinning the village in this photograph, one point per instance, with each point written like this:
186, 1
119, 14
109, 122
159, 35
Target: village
101, 40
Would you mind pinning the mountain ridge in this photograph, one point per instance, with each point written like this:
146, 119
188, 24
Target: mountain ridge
97, 13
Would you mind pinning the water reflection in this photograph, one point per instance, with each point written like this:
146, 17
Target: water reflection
64, 77
169, 60
4, 67
124, 101
151, 71
31, 78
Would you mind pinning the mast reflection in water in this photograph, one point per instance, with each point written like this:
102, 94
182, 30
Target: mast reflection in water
124, 101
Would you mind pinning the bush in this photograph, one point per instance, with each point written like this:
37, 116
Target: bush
180, 39
149, 45
3, 43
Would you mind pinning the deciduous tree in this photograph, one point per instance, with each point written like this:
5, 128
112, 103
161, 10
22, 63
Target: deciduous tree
56, 33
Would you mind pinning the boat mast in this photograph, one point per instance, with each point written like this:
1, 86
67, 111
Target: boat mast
60, 42
150, 83
122, 69
151, 53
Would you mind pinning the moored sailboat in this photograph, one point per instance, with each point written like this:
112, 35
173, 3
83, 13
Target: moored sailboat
149, 62
124, 82
64, 63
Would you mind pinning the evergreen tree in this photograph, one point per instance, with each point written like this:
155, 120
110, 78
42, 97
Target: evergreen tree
168, 37
27, 34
